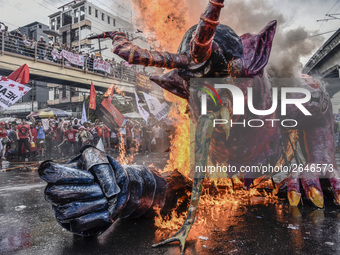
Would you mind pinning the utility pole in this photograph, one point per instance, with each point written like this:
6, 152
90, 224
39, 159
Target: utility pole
100, 48
79, 31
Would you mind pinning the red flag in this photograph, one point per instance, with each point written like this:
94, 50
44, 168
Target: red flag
111, 112
109, 93
21, 75
110, 108
93, 94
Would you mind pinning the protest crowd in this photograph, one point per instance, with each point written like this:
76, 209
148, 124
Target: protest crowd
54, 52
59, 138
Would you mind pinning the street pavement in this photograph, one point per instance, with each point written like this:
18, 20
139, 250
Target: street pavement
259, 226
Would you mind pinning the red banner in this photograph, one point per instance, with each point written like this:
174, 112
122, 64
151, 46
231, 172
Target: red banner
93, 94
107, 112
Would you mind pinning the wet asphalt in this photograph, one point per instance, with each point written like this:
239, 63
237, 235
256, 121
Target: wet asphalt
257, 226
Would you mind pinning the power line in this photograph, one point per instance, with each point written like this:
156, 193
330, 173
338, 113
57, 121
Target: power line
63, 2
50, 4
333, 6
117, 13
328, 13
112, 9
43, 5
332, 31
14, 25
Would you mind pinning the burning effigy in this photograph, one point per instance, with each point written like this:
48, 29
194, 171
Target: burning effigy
93, 190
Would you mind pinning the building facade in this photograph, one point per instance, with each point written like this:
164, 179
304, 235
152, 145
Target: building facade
78, 20
35, 30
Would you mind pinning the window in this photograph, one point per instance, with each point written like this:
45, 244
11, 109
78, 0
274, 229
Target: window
58, 22
76, 15
56, 94
96, 13
108, 19
52, 24
39, 26
90, 10
82, 13
103, 16
72, 92
67, 18
65, 37
114, 22
64, 92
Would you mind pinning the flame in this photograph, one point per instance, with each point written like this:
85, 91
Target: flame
180, 140
119, 91
124, 158
225, 204
165, 21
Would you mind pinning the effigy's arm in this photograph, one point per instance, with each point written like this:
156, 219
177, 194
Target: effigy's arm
93, 190
133, 54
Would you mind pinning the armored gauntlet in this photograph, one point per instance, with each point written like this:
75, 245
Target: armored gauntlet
93, 190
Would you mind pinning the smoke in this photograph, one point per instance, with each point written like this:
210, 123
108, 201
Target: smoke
290, 44
169, 20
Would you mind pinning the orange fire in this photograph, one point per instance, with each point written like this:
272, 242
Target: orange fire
180, 141
168, 21
123, 157
212, 209
119, 91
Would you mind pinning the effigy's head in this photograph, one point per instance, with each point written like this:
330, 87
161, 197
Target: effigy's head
226, 46
225, 54
230, 55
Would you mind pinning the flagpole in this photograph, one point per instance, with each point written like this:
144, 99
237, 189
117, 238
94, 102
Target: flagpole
83, 115
88, 110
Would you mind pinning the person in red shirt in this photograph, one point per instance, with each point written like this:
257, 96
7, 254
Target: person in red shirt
70, 135
23, 132
99, 130
34, 138
106, 136
3, 135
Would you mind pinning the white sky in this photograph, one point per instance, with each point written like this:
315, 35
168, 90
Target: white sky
303, 13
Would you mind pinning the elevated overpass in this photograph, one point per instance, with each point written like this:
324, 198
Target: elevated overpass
325, 64
51, 72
